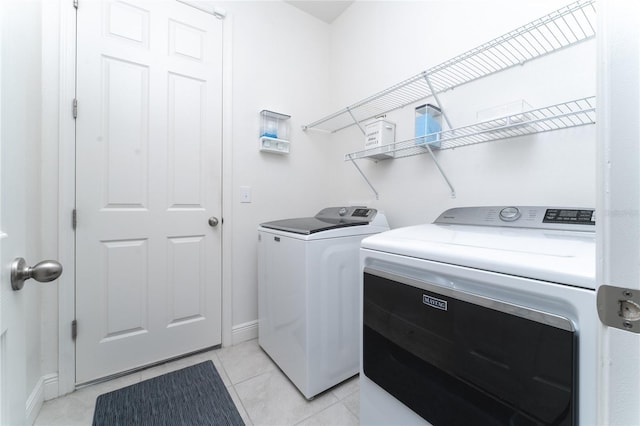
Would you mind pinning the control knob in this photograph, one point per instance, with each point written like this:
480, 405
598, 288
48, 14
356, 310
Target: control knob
509, 214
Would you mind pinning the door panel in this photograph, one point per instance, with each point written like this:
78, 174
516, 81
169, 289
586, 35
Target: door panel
125, 140
148, 178
187, 264
126, 285
186, 120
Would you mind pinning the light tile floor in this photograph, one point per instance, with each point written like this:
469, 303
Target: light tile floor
262, 393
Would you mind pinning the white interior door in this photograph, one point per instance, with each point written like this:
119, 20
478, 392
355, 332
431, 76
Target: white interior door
148, 283
13, 217
12, 344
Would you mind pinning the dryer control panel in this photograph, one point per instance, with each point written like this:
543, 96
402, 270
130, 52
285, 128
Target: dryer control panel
584, 217
568, 219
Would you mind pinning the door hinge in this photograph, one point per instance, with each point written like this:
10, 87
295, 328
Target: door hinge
74, 219
619, 307
74, 329
75, 108
75, 3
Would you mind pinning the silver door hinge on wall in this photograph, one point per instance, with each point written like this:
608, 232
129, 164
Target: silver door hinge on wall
74, 219
619, 307
75, 108
74, 329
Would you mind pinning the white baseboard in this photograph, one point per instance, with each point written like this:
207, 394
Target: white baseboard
51, 388
243, 332
45, 389
35, 401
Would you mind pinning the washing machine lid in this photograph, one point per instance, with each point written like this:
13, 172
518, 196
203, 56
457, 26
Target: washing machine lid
327, 219
308, 225
532, 250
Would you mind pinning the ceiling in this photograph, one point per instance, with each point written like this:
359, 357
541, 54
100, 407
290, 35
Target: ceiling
326, 11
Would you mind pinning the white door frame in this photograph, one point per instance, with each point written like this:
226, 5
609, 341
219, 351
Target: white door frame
66, 204
66, 199
618, 200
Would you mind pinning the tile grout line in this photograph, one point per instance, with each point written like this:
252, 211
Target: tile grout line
233, 386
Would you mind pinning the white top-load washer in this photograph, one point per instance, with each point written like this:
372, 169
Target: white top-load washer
308, 294
487, 316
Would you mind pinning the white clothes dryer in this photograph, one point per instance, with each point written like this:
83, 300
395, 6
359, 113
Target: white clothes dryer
308, 294
487, 316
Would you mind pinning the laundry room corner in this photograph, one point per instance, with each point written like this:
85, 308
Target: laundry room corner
288, 75
329, 66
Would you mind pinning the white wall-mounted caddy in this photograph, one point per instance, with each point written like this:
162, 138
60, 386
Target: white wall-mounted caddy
274, 132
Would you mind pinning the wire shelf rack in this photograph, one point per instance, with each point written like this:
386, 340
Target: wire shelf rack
567, 26
574, 113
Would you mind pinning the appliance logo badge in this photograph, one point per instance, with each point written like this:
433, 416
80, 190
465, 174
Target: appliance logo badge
434, 303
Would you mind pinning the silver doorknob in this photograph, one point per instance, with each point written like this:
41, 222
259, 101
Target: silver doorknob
213, 221
45, 271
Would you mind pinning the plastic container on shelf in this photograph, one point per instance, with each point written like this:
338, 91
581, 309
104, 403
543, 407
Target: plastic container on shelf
428, 124
509, 114
380, 134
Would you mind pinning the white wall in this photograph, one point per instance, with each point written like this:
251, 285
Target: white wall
280, 63
378, 44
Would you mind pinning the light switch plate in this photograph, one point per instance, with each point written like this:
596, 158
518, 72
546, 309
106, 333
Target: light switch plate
245, 194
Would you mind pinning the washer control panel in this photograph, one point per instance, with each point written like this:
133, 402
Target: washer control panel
575, 219
362, 212
347, 214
